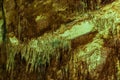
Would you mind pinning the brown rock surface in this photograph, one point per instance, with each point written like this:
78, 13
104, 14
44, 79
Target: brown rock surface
61, 40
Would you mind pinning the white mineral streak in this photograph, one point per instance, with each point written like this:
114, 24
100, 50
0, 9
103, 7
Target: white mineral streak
78, 30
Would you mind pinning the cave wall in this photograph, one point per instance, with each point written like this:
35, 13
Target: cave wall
37, 17
29, 22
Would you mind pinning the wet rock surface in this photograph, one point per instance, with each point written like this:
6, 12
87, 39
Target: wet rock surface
59, 42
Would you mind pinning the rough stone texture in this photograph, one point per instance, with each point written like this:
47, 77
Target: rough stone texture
45, 42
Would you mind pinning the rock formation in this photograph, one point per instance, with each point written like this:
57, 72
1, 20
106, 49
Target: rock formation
60, 40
